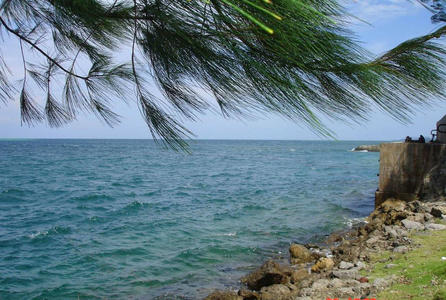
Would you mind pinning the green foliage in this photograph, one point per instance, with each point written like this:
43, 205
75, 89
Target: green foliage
293, 58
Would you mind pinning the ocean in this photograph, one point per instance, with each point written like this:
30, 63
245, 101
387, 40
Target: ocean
126, 219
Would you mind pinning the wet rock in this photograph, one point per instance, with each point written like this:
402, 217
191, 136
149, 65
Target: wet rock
275, 292
223, 295
248, 295
412, 225
268, 274
299, 254
401, 249
323, 264
299, 275
433, 226
345, 265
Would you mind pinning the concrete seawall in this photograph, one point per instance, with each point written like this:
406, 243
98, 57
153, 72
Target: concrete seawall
403, 167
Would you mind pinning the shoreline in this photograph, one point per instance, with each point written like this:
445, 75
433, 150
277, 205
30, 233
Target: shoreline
340, 267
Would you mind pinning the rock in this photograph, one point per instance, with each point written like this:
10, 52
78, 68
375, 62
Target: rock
389, 266
347, 291
393, 204
438, 211
320, 284
248, 295
401, 249
299, 275
428, 217
345, 265
345, 274
417, 217
360, 265
391, 233
223, 295
335, 283
303, 298
299, 254
268, 274
275, 292
401, 232
367, 148
363, 280
433, 226
323, 264
412, 225
381, 283
373, 240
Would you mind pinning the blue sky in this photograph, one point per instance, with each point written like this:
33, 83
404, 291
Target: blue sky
390, 23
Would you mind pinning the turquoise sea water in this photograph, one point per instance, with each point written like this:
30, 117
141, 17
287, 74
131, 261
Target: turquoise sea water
124, 219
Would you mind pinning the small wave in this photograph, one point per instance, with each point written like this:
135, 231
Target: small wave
53, 231
93, 197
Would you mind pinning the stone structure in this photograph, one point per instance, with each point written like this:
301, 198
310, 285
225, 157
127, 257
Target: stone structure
405, 167
441, 130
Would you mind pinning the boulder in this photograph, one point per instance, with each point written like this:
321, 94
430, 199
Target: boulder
268, 274
345, 274
401, 249
223, 295
275, 292
299, 254
299, 275
433, 226
345, 265
248, 295
438, 211
323, 264
412, 225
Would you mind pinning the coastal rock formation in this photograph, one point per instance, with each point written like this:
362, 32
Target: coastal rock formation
367, 148
268, 274
337, 276
299, 254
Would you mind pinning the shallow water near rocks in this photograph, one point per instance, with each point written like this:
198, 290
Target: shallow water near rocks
124, 219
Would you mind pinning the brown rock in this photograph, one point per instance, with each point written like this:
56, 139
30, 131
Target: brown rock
248, 295
363, 280
299, 254
275, 292
223, 295
323, 264
299, 275
268, 274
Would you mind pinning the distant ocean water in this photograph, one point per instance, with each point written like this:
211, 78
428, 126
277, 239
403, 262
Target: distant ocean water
124, 219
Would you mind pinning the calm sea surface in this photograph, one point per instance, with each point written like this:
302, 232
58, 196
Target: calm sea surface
124, 219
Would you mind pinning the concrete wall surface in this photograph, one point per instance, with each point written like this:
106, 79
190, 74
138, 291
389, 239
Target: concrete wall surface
403, 167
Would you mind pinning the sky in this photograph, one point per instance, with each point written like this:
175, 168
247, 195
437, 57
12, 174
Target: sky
389, 22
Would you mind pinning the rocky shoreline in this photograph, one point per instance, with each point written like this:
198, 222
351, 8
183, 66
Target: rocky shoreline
333, 270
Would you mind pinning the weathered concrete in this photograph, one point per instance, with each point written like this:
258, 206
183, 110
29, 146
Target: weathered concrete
441, 130
403, 167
